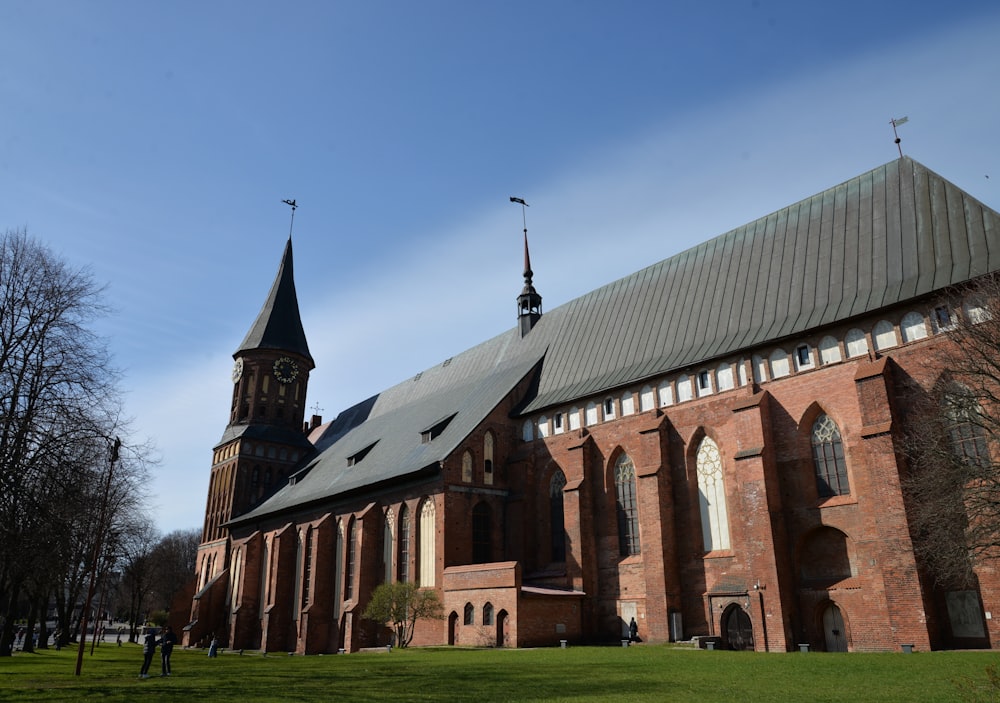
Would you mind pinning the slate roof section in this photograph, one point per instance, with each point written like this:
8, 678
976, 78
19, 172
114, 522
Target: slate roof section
278, 325
469, 387
893, 234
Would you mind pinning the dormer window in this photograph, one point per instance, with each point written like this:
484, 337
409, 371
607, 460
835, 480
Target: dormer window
434, 430
358, 456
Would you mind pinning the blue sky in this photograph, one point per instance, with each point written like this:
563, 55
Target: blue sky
154, 143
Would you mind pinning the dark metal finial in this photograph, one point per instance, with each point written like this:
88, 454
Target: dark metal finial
524, 221
896, 123
293, 205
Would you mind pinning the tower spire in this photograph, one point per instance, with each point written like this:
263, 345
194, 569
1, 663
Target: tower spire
529, 302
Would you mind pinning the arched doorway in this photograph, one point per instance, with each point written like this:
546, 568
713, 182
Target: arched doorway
834, 631
452, 627
502, 628
737, 628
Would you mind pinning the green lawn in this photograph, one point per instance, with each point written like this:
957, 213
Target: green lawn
643, 673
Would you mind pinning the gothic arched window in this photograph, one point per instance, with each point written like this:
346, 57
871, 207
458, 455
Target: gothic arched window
712, 496
352, 555
625, 504
557, 516
388, 545
467, 467
828, 458
968, 439
404, 544
426, 527
488, 459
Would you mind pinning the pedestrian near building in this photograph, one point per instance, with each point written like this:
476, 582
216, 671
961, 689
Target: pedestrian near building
213, 646
167, 643
148, 650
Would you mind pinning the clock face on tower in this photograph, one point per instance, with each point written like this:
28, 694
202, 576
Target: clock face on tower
238, 370
285, 370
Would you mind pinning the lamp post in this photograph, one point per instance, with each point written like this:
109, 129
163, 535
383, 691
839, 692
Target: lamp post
97, 553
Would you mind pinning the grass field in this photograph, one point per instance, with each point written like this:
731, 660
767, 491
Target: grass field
643, 673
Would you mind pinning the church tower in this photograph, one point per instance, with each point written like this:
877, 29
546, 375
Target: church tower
266, 435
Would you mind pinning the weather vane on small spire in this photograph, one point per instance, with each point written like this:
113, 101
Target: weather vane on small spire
896, 123
291, 203
524, 219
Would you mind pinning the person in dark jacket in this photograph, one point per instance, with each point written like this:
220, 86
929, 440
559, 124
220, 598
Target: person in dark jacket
167, 643
148, 650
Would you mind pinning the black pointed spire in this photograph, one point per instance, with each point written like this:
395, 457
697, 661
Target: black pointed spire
529, 303
279, 326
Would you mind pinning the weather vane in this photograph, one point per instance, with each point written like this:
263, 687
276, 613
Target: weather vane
524, 219
292, 204
896, 123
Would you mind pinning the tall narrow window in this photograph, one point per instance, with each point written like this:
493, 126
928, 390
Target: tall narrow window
968, 439
469, 615
488, 459
628, 513
237, 579
404, 544
488, 614
338, 571
426, 544
307, 569
482, 528
712, 496
388, 545
467, 467
828, 458
265, 578
352, 555
300, 550
557, 516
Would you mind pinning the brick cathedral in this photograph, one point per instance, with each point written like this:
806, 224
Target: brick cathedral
709, 446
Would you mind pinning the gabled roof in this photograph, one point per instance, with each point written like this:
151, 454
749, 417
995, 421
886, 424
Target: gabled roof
896, 233
278, 325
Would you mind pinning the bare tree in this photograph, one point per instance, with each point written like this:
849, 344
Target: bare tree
59, 405
138, 545
173, 566
953, 481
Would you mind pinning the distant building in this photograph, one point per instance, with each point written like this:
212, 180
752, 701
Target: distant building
709, 445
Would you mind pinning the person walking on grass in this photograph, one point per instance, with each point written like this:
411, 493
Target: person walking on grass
148, 650
167, 643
